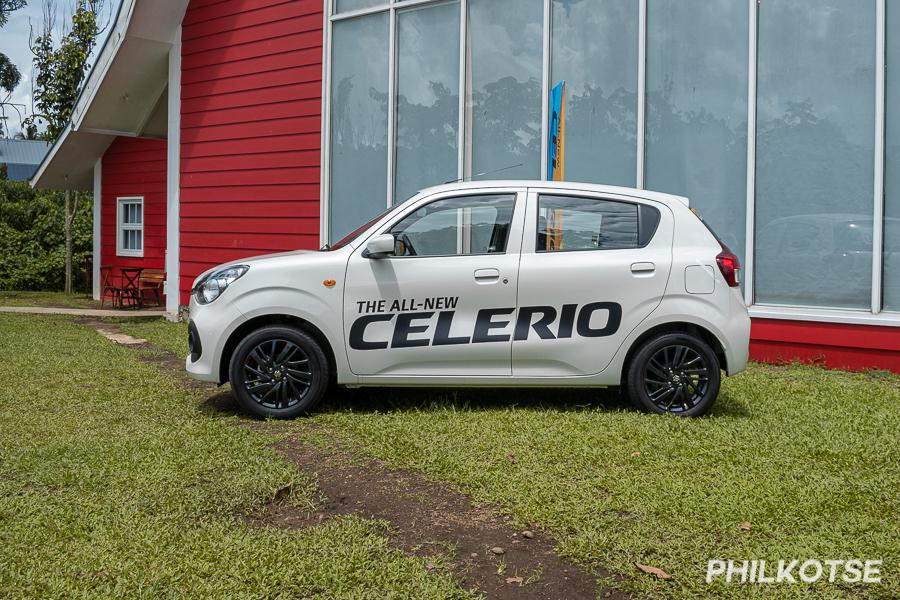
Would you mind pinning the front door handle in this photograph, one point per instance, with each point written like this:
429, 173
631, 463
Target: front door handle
487, 275
643, 268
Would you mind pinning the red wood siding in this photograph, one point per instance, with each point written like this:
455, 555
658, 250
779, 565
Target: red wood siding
251, 86
833, 345
135, 167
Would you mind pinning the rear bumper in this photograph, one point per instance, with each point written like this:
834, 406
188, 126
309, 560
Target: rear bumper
737, 335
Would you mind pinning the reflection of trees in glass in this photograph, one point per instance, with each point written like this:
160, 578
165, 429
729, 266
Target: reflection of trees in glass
359, 157
507, 128
812, 185
371, 130
601, 130
807, 164
678, 141
426, 141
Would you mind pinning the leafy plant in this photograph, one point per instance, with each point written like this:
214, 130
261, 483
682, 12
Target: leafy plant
32, 237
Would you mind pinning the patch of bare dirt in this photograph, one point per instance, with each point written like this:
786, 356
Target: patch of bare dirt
426, 517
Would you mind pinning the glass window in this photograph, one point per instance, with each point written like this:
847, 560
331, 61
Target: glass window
505, 54
595, 51
815, 150
427, 98
348, 5
891, 278
573, 223
464, 225
696, 141
359, 102
130, 227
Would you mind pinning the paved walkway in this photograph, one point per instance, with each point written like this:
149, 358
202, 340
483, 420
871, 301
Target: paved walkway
83, 312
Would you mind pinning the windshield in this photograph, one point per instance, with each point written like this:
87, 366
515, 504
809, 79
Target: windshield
355, 233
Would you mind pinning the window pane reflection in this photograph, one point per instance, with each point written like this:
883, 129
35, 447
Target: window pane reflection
815, 155
505, 49
359, 83
427, 98
892, 164
697, 109
594, 49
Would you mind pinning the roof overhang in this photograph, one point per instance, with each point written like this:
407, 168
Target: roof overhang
124, 94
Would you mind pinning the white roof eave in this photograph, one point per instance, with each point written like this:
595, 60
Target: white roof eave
120, 93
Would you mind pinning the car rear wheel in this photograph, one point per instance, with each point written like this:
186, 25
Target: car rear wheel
279, 371
674, 373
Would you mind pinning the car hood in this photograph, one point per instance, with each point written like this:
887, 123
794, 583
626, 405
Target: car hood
294, 257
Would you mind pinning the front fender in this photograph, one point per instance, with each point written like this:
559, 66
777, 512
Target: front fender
323, 311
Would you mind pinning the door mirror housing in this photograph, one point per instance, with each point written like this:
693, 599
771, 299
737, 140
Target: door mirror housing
380, 246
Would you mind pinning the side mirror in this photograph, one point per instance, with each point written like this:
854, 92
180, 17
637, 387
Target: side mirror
380, 246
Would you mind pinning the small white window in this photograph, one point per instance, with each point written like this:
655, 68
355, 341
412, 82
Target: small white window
130, 227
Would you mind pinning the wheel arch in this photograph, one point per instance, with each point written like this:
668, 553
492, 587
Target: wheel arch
675, 327
257, 322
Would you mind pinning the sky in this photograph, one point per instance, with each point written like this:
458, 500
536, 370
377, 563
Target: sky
14, 43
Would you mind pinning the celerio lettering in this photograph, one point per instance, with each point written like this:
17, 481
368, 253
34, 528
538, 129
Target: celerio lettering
484, 323
418, 329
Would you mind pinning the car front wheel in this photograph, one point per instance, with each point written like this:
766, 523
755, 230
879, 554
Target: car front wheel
279, 372
674, 373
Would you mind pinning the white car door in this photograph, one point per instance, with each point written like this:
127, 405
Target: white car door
443, 305
592, 267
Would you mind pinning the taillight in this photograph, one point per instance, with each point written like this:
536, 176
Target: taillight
730, 266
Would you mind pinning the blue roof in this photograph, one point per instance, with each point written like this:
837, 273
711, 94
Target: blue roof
22, 157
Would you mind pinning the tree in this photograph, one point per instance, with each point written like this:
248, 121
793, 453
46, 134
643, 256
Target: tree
9, 74
59, 72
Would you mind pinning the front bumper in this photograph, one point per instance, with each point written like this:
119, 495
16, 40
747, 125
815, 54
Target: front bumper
211, 325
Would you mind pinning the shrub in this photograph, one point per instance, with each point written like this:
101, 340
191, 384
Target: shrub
32, 238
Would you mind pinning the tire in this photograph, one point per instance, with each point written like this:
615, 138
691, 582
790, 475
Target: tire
674, 373
279, 372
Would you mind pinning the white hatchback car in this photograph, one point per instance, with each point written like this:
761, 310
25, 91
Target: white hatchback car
507, 283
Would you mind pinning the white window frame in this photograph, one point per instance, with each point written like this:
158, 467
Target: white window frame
872, 315
121, 201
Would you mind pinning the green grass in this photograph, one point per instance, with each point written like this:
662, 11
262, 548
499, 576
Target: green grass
116, 482
160, 332
50, 299
809, 457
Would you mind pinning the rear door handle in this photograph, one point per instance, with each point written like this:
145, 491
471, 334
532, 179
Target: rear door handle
643, 268
487, 275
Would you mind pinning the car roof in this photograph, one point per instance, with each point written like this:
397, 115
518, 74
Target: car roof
571, 186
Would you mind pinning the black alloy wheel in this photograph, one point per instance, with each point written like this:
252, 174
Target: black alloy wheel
276, 373
279, 371
674, 373
676, 378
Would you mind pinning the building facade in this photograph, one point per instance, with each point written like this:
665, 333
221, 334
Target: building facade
285, 124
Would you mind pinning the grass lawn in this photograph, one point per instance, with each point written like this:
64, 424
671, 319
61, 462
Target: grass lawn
810, 458
116, 482
160, 332
53, 299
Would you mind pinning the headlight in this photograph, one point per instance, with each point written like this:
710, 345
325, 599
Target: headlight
211, 287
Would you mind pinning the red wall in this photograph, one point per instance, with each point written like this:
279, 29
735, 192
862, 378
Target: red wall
251, 87
833, 345
135, 167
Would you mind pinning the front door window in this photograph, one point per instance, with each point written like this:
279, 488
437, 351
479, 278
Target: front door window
456, 226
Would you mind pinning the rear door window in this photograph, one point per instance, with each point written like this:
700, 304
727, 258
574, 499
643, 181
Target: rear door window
568, 223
